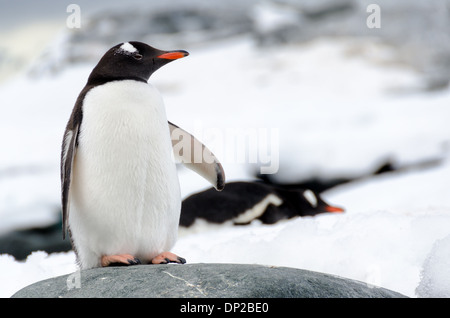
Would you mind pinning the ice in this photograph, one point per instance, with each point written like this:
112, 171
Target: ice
435, 274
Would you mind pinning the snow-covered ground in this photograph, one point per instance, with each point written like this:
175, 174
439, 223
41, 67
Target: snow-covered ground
330, 107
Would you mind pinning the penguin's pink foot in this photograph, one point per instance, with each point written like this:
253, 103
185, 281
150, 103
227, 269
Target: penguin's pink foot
119, 260
167, 257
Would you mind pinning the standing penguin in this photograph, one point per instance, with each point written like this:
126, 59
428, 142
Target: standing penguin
118, 176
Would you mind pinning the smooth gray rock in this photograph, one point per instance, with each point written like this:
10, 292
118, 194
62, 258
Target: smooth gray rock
202, 281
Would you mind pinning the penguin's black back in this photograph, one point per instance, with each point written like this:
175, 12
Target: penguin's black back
219, 207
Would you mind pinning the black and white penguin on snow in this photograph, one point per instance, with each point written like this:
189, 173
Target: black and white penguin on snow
118, 176
242, 202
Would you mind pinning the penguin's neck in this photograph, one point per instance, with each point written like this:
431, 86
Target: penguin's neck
97, 78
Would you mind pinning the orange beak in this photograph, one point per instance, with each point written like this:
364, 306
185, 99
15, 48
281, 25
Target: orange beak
334, 209
173, 55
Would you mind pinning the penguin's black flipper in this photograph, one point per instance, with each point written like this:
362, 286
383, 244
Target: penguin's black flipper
196, 156
69, 148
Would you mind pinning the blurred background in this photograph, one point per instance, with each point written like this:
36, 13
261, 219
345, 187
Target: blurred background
342, 92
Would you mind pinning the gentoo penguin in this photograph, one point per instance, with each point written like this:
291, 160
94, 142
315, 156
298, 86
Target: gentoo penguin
242, 202
118, 173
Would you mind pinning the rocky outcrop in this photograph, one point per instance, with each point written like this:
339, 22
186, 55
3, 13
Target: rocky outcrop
202, 281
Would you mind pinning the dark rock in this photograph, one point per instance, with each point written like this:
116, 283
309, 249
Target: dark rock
320, 184
21, 243
316, 184
202, 281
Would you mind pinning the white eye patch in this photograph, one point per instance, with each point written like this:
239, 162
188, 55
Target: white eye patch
311, 197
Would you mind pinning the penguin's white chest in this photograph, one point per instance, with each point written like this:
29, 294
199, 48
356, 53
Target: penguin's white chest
125, 195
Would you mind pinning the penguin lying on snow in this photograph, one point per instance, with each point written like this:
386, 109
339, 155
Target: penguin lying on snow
243, 202
118, 176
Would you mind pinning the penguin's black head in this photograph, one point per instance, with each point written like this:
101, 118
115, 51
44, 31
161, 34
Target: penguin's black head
131, 60
309, 203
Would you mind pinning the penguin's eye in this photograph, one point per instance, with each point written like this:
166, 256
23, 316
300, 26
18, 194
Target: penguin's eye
137, 56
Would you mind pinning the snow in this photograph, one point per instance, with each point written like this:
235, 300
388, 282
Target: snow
128, 47
39, 266
325, 108
269, 16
